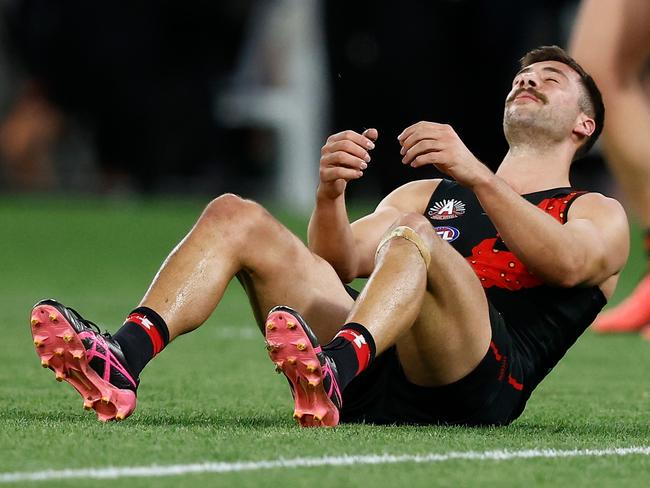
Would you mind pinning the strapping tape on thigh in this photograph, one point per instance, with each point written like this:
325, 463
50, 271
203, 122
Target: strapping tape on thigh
410, 235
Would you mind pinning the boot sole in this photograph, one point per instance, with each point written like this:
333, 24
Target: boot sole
61, 350
291, 350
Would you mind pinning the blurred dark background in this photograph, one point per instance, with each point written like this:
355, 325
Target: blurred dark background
155, 97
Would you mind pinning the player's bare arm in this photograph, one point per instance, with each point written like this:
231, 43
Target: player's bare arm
350, 248
368, 231
344, 157
588, 249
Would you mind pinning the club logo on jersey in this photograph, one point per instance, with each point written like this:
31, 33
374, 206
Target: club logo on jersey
446, 209
448, 234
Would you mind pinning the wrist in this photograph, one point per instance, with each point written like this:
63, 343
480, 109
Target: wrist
329, 192
486, 179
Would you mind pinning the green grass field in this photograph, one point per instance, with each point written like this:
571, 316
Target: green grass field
212, 396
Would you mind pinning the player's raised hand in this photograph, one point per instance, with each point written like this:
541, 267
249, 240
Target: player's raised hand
344, 157
438, 144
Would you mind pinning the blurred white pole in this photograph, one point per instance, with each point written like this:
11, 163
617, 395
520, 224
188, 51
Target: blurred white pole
282, 83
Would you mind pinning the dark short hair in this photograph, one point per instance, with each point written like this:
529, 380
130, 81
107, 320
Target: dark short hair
591, 104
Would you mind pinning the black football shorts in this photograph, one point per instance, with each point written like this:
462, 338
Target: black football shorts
490, 395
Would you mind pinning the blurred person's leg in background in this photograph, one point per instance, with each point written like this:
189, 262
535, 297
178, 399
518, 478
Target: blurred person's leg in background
611, 39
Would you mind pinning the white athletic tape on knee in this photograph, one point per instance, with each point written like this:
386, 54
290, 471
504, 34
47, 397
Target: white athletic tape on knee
410, 235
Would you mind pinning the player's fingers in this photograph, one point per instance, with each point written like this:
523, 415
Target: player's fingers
343, 159
330, 174
421, 147
346, 146
413, 138
418, 126
407, 132
350, 135
439, 159
431, 157
372, 134
423, 130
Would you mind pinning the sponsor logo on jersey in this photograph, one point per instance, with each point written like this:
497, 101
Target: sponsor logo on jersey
448, 234
446, 209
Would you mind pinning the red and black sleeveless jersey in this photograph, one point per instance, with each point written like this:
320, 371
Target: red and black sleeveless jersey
543, 320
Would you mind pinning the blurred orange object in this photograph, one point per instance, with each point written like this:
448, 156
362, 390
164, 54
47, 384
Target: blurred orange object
631, 315
27, 138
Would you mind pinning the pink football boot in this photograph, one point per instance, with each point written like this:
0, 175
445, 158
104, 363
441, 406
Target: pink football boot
295, 350
92, 362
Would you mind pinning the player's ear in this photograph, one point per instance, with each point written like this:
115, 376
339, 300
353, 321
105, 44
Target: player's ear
585, 126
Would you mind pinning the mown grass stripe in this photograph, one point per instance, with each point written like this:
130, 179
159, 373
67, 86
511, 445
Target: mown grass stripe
238, 466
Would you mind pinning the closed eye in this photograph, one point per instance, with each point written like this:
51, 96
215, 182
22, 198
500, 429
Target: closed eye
553, 79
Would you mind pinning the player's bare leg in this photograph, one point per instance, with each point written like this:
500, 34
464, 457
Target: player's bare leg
437, 317
436, 314
612, 40
237, 237
232, 237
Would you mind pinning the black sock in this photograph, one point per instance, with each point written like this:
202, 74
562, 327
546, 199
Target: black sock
352, 349
143, 335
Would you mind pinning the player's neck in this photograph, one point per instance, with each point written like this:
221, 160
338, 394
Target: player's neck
529, 169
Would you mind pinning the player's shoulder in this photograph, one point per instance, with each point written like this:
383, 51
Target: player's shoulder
412, 196
592, 204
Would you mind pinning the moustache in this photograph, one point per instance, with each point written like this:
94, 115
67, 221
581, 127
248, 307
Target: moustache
540, 96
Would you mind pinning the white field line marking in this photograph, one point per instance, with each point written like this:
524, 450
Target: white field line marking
238, 466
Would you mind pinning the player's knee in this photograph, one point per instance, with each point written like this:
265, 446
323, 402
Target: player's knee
232, 209
224, 207
414, 228
420, 225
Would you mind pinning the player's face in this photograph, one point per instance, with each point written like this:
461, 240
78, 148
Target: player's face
546, 96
